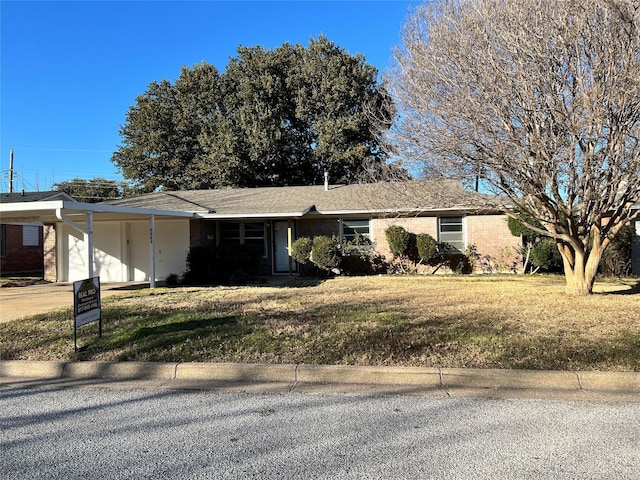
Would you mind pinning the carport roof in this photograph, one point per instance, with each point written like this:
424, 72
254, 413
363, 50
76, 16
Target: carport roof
48, 211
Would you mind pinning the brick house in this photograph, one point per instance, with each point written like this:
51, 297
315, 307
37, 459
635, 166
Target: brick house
273, 217
147, 237
22, 244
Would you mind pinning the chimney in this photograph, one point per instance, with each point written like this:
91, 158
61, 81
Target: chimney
326, 181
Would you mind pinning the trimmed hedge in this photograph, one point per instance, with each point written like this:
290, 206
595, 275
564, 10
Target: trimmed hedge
301, 249
326, 253
398, 239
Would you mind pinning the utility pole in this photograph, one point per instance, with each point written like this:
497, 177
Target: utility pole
11, 171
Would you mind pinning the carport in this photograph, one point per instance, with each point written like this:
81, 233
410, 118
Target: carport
114, 222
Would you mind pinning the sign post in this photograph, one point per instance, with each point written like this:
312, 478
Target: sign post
86, 305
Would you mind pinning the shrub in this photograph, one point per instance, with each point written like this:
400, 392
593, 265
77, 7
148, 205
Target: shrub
545, 255
423, 248
209, 264
326, 252
427, 247
360, 258
398, 239
239, 259
301, 249
517, 229
616, 259
200, 264
450, 257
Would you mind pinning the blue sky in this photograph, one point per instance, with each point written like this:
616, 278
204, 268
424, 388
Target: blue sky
70, 70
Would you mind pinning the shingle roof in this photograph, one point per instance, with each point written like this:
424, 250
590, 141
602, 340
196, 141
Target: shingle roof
17, 197
296, 201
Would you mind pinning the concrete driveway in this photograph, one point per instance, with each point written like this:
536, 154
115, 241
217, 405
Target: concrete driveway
18, 302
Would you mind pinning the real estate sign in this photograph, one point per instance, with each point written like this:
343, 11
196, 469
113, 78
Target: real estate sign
86, 300
86, 305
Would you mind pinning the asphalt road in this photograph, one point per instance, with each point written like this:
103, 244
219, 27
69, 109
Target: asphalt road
52, 433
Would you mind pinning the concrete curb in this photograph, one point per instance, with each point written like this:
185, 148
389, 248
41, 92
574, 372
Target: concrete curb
236, 372
343, 378
517, 379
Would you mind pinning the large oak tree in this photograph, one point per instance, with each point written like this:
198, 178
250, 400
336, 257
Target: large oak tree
540, 100
274, 117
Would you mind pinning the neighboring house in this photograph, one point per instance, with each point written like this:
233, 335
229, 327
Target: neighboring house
22, 244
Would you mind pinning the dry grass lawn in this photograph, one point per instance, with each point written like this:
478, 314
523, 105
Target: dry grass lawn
444, 321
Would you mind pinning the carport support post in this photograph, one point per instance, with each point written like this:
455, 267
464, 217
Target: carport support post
87, 234
88, 240
152, 251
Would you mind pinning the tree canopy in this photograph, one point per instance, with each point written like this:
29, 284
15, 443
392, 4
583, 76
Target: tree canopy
94, 190
540, 99
274, 117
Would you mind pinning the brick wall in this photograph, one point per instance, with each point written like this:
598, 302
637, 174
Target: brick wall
489, 233
202, 232
414, 225
494, 242
19, 258
50, 253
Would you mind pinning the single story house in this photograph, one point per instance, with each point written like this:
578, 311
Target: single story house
147, 237
22, 244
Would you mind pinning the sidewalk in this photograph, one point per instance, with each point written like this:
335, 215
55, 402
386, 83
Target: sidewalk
225, 377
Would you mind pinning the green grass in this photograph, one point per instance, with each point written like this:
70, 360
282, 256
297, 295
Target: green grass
445, 321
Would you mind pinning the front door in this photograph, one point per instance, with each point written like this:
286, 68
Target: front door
282, 232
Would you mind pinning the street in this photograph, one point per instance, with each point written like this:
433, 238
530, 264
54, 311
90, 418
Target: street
51, 432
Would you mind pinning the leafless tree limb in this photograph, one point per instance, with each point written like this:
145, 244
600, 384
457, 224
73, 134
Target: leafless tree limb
540, 100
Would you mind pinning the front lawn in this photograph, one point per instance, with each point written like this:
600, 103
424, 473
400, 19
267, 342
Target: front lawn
442, 321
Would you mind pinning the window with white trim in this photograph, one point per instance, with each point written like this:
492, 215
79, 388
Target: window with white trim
253, 234
353, 228
244, 233
451, 232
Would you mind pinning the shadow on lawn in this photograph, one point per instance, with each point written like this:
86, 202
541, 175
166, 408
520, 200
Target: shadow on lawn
283, 281
634, 290
185, 326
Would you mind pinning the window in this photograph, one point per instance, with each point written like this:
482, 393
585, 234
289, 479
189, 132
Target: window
229, 233
244, 233
30, 235
356, 227
450, 231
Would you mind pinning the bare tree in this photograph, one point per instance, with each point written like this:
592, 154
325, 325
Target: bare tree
540, 100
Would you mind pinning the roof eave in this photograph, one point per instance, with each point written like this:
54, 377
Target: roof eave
214, 215
223, 216
74, 206
404, 211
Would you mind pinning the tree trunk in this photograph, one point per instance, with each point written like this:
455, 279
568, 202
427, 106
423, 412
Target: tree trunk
580, 269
